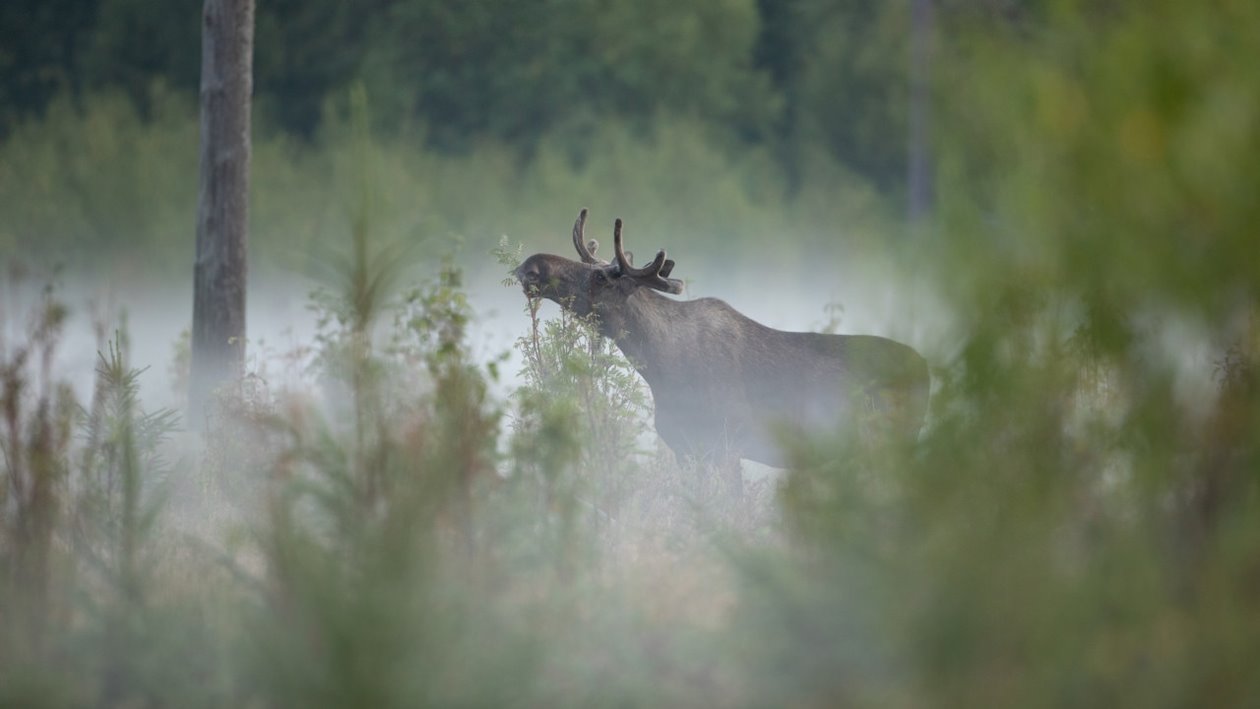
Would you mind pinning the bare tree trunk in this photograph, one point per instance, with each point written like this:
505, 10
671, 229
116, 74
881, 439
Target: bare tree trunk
218, 330
919, 177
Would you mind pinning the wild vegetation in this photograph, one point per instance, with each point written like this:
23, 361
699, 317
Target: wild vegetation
1076, 525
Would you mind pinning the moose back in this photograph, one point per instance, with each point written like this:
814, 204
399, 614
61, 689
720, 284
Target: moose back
721, 381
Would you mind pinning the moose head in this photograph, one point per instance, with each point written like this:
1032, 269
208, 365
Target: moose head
592, 284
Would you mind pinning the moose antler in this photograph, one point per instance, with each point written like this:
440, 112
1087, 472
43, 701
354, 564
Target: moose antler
654, 273
584, 248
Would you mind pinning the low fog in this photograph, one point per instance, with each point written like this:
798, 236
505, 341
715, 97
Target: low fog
861, 293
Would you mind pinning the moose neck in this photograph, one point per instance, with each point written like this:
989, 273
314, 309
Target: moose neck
640, 327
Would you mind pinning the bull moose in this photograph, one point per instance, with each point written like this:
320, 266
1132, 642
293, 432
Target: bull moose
720, 381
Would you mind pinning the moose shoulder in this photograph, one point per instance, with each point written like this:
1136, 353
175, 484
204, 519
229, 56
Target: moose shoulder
720, 381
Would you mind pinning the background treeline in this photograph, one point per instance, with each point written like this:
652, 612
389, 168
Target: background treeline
730, 119
798, 75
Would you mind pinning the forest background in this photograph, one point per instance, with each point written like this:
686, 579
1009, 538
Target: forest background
701, 122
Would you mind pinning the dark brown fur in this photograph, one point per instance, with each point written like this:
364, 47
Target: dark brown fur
720, 381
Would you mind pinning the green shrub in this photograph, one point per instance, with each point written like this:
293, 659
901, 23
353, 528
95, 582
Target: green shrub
1077, 523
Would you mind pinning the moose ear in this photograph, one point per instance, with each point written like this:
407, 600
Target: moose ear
592, 246
672, 286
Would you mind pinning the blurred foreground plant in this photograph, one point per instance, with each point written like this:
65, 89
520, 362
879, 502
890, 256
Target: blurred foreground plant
1079, 525
84, 618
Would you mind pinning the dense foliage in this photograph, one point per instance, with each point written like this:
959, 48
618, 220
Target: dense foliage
1078, 525
777, 75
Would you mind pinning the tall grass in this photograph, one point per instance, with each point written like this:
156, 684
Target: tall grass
373, 537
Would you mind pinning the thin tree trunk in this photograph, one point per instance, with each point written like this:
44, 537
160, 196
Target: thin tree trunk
919, 177
219, 273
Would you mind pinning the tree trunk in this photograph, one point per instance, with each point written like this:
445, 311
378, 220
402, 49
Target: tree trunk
919, 177
219, 273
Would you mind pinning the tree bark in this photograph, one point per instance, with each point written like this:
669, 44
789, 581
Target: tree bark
219, 272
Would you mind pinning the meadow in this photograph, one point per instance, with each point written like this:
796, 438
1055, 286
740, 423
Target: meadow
396, 508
